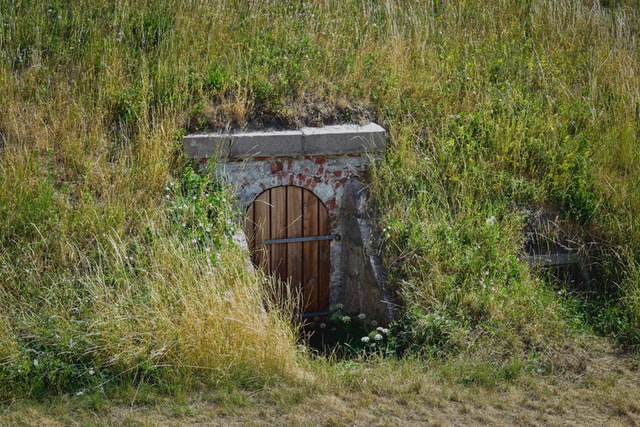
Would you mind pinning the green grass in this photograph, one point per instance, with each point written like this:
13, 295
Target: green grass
493, 111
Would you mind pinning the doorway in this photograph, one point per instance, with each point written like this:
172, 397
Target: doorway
288, 232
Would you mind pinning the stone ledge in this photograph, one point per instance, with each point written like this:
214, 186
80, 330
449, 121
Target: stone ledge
327, 140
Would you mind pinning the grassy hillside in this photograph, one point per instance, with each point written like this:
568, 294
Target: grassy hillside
115, 261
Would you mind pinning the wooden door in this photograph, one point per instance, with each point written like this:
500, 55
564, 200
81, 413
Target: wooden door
287, 229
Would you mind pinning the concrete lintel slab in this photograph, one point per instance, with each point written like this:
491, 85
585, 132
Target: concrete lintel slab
254, 144
327, 140
343, 139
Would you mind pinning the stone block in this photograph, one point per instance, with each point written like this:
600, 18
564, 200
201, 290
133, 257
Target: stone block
364, 274
343, 139
269, 144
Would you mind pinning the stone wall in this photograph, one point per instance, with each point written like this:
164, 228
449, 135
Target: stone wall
364, 274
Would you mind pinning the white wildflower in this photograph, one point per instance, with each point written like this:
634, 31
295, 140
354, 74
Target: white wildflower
35, 362
377, 337
364, 339
362, 316
491, 221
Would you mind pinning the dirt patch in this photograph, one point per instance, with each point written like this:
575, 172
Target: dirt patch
239, 112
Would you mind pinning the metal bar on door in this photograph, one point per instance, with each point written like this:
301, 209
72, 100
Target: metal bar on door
302, 239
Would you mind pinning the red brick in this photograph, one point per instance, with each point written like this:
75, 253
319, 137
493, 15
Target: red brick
276, 167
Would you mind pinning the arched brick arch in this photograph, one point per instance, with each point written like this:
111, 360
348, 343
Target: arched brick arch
323, 177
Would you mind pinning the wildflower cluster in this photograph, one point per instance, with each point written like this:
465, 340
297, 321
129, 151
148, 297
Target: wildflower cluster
376, 339
350, 335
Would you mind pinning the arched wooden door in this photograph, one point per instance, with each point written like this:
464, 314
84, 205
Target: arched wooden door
287, 228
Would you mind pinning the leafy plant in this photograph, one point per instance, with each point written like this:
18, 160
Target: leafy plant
201, 209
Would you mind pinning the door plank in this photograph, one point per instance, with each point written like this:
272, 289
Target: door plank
310, 252
294, 229
279, 231
262, 224
324, 261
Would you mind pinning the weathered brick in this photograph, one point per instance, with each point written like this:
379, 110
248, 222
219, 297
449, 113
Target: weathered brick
276, 167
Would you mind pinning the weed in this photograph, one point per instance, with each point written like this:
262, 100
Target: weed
201, 209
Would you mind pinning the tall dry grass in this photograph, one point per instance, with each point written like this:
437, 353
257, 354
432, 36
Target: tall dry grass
492, 109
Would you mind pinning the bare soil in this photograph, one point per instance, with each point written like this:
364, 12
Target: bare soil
234, 113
